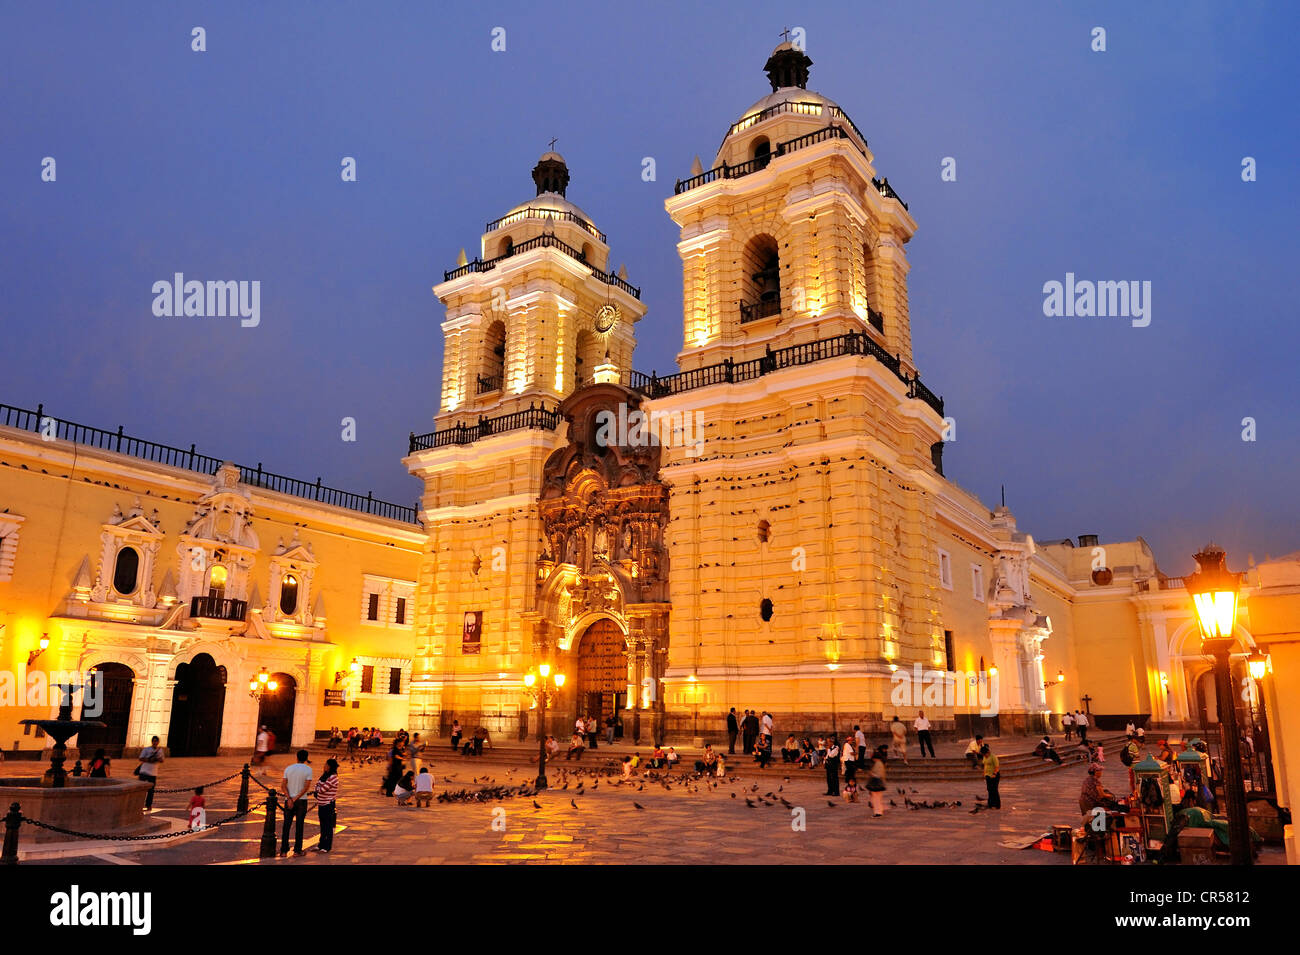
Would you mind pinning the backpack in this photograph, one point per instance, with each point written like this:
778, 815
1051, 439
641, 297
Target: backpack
1126, 755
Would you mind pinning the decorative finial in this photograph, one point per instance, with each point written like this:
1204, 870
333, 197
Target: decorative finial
552, 144
785, 34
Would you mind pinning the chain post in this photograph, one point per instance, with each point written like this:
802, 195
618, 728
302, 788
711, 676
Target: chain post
13, 818
242, 805
267, 850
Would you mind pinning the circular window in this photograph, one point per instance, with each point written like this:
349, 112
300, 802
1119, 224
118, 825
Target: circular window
765, 610
1102, 576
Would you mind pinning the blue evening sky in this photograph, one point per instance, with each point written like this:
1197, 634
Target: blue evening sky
225, 165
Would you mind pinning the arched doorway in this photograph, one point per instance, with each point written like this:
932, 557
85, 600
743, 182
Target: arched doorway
198, 704
114, 686
1207, 703
602, 673
275, 711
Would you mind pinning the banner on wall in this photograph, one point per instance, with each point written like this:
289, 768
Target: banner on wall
472, 636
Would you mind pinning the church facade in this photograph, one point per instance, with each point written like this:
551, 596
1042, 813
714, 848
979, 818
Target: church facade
769, 527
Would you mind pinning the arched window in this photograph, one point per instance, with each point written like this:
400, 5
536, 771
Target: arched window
288, 595
760, 279
494, 358
126, 571
506, 247
764, 532
217, 582
765, 610
761, 150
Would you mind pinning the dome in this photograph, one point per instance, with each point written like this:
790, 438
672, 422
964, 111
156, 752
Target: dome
787, 71
549, 202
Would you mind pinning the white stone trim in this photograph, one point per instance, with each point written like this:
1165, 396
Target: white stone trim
10, 525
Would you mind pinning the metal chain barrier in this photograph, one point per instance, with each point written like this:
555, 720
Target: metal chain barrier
187, 789
142, 838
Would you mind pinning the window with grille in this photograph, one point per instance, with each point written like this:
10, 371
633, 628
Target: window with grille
367, 679
394, 680
401, 610
372, 610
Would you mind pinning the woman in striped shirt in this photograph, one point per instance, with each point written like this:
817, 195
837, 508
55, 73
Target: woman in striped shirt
327, 792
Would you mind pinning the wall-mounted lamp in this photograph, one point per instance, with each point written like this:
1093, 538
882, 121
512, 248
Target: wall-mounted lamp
44, 645
353, 667
1060, 678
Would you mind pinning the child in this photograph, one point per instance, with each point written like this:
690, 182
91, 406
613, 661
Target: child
851, 790
404, 788
722, 767
627, 767
198, 810
423, 788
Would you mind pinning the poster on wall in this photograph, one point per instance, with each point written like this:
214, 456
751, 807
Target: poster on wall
473, 631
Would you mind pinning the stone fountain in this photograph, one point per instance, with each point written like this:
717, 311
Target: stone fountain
62, 728
111, 805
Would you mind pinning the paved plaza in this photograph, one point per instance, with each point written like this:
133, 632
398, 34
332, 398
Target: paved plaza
687, 822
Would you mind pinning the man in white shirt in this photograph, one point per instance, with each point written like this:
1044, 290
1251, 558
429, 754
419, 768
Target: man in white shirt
147, 771
1067, 721
922, 727
262, 746
767, 726
1081, 721
296, 786
860, 739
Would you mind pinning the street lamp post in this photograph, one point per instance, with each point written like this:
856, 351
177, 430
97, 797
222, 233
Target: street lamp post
540, 684
1257, 665
1214, 592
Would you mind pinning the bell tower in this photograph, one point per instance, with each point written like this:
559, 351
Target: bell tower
803, 519
538, 312
790, 237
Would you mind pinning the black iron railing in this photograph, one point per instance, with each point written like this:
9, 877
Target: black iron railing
875, 319
532, 212
752, 313
191, 460
218, 608
539, 242
729, 372
461, 433
488, 383
792, 106
886, 190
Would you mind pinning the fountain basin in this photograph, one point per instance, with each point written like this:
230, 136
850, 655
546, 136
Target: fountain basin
110, 805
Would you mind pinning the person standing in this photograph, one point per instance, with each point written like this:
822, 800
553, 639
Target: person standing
413, 750
1081, 721
767, 729
611, 724
99, 765
860, 741
832, 767
752, 730
922, 727
455, 734
733, 730
327, 794
147, 771
261, 747
849, 756
876, 780
898, 739
992, 776
294, 784
1067, 721
593, 732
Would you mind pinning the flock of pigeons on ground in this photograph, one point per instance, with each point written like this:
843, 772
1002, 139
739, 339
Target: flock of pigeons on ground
582, 781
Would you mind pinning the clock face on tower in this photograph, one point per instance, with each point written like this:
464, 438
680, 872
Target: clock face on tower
606, 318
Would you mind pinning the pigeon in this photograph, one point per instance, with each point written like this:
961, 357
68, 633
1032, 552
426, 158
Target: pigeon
830, 803
536, 804
894, 804
749, 802
733, 796
573, 804
638, 805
